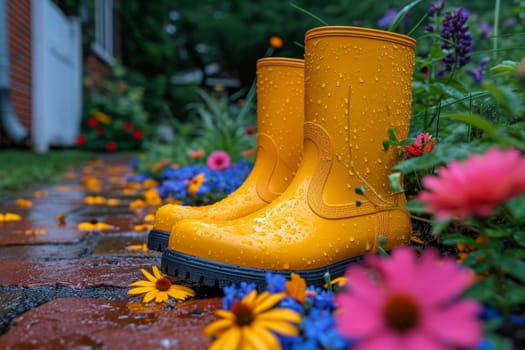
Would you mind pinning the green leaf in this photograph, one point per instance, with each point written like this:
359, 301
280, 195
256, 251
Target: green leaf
455, 238
323, 22
440, 226
415, 206
442, 154
392, 136
483, 290
514, 293
513, 267
516, 207
499, 342
436, 52
475, 120
402, 15
520, 238
448, 91
501, 232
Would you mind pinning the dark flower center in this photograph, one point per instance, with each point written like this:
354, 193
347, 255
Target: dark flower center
243, 314
401, 312
163, 284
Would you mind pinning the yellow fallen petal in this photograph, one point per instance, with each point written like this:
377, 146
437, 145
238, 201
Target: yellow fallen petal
85, 226
24, 203
103, 226
113, 201
150, 218
11, 217
133, 247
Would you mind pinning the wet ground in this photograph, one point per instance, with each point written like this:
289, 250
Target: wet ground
66, 288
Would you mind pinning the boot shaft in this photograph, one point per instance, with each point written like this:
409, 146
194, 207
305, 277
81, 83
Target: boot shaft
358, 84
280, 122
280, 104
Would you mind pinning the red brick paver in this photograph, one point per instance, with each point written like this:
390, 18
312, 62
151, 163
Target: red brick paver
65, 288
75, 323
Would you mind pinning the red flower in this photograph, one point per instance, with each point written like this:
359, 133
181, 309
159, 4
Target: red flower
92, 122
100, 130
248, 153
250, 129
81, 140
424, 144
111, 146
137, 135
128, 126
196, 154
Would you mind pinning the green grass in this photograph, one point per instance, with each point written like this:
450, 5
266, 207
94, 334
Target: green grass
21, 169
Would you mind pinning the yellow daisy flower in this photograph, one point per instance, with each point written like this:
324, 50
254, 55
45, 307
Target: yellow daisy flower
196, 183
158, 287
251, 322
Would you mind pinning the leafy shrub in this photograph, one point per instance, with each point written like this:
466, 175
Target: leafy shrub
113, 118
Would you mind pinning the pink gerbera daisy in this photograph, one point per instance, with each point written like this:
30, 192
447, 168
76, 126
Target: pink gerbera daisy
218, 160
405, 304
476, 186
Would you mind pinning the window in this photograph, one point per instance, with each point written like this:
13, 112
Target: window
104, 44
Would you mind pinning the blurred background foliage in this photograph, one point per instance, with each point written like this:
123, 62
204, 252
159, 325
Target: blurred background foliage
165, 37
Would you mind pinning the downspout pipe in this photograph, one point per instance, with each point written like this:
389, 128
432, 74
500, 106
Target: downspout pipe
12, 127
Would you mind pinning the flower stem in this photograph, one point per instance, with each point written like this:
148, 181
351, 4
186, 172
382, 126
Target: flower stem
496, 28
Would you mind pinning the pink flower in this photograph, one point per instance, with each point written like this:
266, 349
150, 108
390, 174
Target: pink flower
476, 186
424, 144
405, 304
218, 160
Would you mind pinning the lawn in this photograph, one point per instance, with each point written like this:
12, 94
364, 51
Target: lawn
21, 169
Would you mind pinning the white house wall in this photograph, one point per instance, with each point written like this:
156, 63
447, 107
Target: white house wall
57, 76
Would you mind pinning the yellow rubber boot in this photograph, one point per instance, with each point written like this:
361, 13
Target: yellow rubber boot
280, 120
357, 86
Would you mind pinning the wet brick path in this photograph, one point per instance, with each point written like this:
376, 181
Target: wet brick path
65, 288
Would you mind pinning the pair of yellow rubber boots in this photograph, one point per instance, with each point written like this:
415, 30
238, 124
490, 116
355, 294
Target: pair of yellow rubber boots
321, 123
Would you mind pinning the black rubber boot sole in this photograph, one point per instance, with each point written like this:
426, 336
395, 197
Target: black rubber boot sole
218, 274
158, 240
